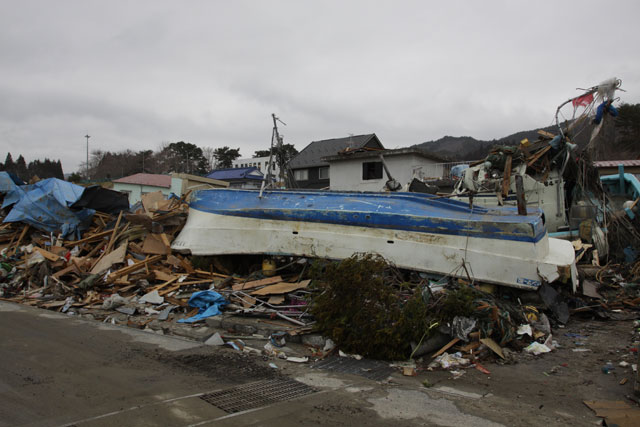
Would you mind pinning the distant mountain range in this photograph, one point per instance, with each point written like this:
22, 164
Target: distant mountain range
618, 139
458, 148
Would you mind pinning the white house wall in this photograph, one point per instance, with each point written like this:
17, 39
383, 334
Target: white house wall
347, 174
135, 191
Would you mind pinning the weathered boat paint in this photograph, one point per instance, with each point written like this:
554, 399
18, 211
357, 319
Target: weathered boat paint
494, 244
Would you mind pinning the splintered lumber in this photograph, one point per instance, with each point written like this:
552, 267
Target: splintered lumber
112, 239
68, 269
165, 284
115, 257
161, 275
48, 255
539, 154
22, 234
186, 264
546, 134
93, 237
210, 274
446, 347
150, 201
276, 299
281, 288
169, 290
256, 283
493, 346
506, 179
154, 245
134, 267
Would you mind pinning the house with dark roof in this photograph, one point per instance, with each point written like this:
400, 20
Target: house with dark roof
311, 171
362, 169
247, 178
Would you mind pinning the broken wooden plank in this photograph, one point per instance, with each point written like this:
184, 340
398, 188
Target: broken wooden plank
281, 288
186, 264
153, 245
276, 299
150, 201
22, 234
47, 255
506, 177
446, 347
161, 275
256, 283
133, 268
493, 346
546, 134
112, 239
115, 257
93, 237
539, 154
163, 285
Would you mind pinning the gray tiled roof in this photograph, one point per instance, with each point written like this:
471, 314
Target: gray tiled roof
313, 153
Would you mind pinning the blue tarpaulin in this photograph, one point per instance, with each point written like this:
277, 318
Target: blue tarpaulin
45, 206
208, 303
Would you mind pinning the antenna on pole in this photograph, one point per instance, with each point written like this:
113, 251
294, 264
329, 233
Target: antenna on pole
87, 136
277, 139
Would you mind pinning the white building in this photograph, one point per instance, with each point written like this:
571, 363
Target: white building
261, 163
363, 170
135, 186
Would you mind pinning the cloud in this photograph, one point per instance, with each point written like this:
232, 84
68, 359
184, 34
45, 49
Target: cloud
135, 74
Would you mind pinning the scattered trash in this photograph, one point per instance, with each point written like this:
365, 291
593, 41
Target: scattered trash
536, 348
208, 304
215, 340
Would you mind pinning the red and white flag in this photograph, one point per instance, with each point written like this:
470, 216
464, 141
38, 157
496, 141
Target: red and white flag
582, 101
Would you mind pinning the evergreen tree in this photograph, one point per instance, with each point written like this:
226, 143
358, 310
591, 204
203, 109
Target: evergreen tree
225, 156
21, 169
9, 166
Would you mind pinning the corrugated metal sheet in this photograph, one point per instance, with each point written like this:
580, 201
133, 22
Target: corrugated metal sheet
154, 180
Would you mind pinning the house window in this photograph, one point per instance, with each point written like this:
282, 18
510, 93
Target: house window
323, 173
301, 174
372, 170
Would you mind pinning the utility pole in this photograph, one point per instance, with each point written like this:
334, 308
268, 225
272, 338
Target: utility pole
87, 136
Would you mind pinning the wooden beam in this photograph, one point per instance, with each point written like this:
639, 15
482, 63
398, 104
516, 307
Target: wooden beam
24, 231
539, 154
506, 177
132, 268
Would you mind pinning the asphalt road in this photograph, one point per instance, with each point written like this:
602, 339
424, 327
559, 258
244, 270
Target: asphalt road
59, 370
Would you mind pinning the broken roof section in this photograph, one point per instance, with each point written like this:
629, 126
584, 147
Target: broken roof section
364, 153
150, 179
313, 154
236, 173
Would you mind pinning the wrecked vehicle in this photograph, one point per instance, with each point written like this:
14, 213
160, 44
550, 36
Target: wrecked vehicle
414, 231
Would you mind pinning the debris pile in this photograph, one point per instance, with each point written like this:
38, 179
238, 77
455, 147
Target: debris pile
122, 261
369, 307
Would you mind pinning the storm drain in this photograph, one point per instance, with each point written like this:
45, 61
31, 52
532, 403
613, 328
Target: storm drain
257, 394
372, 369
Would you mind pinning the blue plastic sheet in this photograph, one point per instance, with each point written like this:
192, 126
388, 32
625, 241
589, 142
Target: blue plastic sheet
45, 206
208, 303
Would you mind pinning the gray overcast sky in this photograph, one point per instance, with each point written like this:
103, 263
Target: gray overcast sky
138, 73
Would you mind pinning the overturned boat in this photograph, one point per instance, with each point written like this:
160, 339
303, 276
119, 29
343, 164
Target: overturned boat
415, 231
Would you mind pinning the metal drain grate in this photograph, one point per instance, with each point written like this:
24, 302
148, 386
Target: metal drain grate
257, 394
372, 369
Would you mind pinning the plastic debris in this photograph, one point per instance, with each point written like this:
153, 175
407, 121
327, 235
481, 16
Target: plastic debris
536, 348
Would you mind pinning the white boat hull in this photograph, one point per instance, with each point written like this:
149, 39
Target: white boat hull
512, 263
